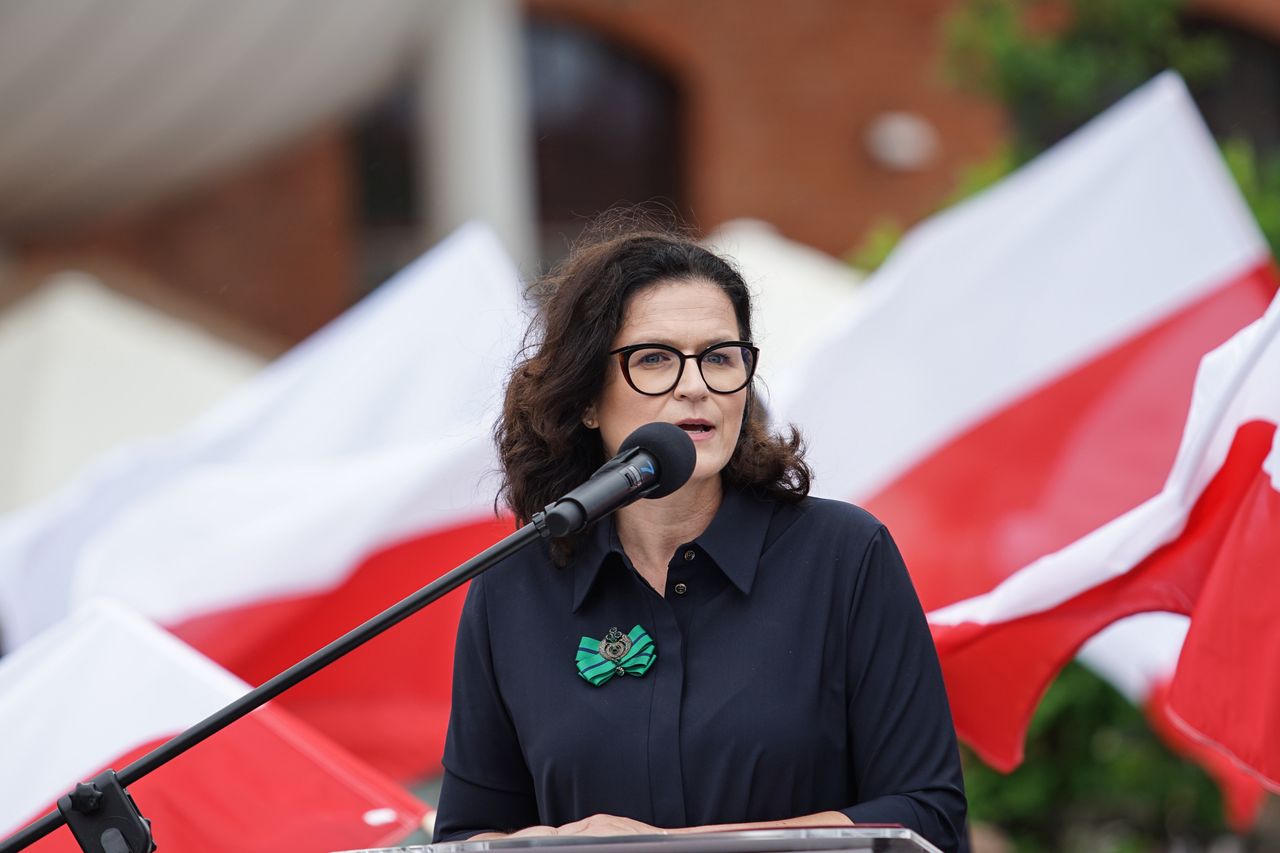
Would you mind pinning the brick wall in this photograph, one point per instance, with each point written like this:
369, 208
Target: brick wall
779, 97
272, 244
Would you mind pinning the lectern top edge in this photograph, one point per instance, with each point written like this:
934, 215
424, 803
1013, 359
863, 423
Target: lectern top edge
881, 839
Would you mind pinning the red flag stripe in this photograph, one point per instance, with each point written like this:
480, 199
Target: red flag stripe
1226, 682
269, 796
387, 702
108, 685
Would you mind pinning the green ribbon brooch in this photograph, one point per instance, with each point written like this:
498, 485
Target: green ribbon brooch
616, 654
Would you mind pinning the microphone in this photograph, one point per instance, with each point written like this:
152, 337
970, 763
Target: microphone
654, 461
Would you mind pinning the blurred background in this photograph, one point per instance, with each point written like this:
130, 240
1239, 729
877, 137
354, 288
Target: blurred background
233, 176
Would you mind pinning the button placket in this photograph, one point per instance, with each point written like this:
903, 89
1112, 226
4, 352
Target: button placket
666, 778
678, 571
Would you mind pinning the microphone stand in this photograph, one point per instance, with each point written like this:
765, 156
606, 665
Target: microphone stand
101, 814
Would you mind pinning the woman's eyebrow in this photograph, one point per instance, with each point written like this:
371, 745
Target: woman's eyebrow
671, 342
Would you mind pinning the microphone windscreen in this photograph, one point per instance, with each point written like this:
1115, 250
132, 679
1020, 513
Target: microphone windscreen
671, 448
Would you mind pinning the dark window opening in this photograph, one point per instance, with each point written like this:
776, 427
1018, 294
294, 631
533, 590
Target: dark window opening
607, 131
384, 146
1241, 103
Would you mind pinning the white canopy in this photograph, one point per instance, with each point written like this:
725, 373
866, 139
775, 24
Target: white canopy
84, 369
798, 291
104, 102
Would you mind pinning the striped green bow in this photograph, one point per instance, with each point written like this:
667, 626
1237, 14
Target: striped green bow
616, 654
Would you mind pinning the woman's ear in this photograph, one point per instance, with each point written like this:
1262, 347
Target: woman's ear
589, 418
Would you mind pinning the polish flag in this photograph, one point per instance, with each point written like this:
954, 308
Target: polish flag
106, 686
346, 475
1017, 373
1207, 545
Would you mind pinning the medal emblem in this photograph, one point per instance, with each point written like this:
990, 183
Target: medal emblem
617, 654
615, 645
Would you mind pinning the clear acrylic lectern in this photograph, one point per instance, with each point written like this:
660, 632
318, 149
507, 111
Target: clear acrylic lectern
863, 838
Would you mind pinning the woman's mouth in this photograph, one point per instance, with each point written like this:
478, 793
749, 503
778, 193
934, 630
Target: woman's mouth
697, 430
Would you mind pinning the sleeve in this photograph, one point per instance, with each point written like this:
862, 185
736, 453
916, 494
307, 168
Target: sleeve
905, 762
487, 786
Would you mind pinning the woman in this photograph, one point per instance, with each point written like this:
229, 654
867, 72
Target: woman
733, 654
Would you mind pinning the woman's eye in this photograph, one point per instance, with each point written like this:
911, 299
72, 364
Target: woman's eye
652, 359
718, 359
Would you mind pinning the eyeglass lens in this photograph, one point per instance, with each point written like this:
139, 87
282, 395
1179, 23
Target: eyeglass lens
656, 370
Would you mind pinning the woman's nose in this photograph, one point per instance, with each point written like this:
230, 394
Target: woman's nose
691, 384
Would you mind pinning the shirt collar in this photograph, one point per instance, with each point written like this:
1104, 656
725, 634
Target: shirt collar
733, 541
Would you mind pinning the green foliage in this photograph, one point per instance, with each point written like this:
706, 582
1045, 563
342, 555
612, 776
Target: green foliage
975, 179
1258, 176
1054, 81
876, 244
1095, 778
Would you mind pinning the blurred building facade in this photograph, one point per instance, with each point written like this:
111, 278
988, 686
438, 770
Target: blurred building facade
819, 116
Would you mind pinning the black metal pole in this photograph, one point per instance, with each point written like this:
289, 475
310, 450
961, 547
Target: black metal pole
304, 668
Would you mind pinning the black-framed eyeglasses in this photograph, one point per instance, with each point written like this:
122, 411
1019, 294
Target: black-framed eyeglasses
655, 369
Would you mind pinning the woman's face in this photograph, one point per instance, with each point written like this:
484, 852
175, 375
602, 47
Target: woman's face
689, 315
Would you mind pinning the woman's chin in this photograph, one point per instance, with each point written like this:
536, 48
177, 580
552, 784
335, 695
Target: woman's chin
706, 471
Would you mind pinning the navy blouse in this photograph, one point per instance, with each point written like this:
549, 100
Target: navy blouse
795, 674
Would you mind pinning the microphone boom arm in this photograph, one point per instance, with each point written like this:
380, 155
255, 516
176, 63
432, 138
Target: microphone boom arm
99, 821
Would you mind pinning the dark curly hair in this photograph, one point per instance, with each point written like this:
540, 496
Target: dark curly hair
543, 446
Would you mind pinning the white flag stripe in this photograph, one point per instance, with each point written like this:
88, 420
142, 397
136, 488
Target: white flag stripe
1137, 652
420, 357
279, 530
999, 305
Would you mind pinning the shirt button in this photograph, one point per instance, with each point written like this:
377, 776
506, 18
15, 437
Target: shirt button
681, 589
689, 555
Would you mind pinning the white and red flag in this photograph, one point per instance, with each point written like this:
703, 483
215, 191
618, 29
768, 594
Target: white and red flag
1206, 545
1017, 373
105, 686
346, 475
